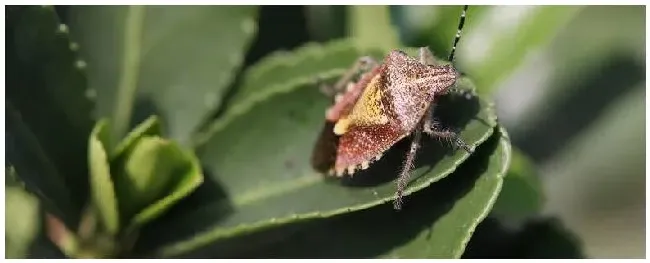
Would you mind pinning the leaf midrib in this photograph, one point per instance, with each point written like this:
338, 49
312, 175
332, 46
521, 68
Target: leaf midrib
127, 85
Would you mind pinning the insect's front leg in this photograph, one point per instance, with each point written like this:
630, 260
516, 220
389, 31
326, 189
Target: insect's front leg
362, 64
434, 129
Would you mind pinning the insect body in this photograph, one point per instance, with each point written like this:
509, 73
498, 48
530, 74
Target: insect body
391, 100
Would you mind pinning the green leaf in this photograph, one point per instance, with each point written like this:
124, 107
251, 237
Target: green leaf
46, 87
455, 227
25, 235
260, 158
21, 221
23, 217
278, 73
101, 184
149, 127
522, 193
436, 222
34, 169
507, 48
174, 62
156, 174
189, 181
371, 27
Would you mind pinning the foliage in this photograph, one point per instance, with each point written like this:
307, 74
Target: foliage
145, 132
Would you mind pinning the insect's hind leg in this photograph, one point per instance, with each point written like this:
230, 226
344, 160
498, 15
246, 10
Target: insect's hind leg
405, 174
362, 64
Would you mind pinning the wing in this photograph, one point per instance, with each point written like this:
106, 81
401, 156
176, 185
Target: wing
362, 145
370, 128
346, 101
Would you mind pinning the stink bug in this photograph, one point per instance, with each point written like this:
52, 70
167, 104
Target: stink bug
390, 101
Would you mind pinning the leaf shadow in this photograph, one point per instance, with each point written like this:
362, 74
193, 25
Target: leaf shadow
375, 231
432, 150
204, 215
541, 238
143, 108
45, 92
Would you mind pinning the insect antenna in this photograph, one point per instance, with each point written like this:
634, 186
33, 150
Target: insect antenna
461, 23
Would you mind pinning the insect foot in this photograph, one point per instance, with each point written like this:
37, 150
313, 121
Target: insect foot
448, 136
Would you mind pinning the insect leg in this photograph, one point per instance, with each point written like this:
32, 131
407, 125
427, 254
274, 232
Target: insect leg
362, 64
434, 129
451, 136
405, 174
